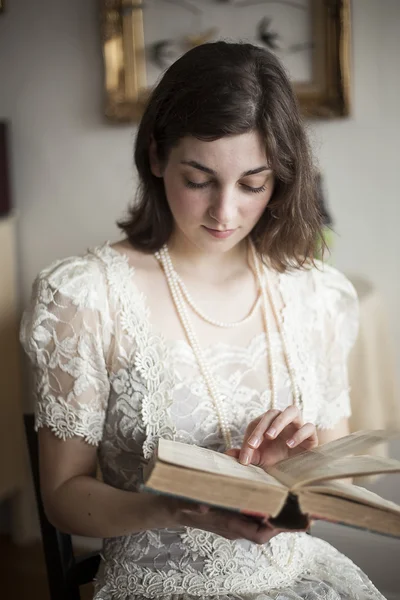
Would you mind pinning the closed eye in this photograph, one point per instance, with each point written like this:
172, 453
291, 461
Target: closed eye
254, 190
197, 186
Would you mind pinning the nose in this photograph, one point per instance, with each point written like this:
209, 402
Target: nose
223, 207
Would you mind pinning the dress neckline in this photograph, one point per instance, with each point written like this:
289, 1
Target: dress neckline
181, 343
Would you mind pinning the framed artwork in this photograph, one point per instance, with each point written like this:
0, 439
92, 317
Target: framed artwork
141, 38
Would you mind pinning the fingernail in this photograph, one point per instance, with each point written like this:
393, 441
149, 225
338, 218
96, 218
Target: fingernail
245, 457
290, 443
254, 441
271, 432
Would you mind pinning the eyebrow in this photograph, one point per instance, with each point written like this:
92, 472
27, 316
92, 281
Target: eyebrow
196, 165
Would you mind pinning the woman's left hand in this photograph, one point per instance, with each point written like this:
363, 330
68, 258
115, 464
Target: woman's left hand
274, 436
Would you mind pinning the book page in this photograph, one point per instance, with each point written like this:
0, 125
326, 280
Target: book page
294, 469
348, 512
355, 493
348, 466
357, 443
203, 459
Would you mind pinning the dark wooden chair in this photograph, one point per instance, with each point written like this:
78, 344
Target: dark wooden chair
66, 572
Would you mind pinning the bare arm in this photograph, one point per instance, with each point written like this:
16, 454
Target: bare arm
75, 502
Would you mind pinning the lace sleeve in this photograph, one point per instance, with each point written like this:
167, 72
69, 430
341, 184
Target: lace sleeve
64, 333
340, 320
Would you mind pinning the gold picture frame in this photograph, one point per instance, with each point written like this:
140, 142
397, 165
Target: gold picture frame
327, 95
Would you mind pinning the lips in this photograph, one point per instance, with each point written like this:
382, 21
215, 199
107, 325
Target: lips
219, 234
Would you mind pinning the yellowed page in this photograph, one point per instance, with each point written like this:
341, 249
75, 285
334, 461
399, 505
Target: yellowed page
202, 459
353, 492
296, 469
357, 443
349, 466
340, 510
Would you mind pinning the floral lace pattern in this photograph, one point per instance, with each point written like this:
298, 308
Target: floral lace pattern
103, 373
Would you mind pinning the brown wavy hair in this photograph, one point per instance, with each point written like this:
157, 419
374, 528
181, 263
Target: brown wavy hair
219, 89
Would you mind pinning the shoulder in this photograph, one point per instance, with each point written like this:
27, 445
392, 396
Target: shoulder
139, 262
79, 279
100, 277
323, 295
139, 270
322, 282
333, 285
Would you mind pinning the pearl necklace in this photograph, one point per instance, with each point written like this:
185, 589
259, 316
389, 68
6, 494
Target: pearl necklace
267, 292
200, 313
164, 258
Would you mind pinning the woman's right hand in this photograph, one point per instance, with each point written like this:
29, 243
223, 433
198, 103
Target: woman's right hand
230, 525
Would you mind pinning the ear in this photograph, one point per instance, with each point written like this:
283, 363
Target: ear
155, 165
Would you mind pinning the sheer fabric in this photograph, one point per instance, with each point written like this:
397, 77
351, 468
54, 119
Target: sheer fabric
105, 374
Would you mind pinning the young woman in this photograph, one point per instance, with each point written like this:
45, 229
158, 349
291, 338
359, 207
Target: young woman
209, 323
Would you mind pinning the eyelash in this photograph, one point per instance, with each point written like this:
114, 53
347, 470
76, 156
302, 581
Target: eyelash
197, 186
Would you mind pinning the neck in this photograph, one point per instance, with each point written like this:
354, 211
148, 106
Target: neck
188, 260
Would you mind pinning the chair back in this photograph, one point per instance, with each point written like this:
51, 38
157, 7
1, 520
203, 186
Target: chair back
65, 571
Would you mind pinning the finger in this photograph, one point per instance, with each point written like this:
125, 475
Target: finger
254, 436
264, 535
255, 532
307, 433
230, 525
290, 416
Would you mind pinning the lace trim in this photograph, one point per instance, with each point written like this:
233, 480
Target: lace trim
79, 358
324, 572
223, 558
151, 358
67, 422
225, 570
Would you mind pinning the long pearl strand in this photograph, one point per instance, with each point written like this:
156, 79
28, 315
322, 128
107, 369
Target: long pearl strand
165, 260
266, 291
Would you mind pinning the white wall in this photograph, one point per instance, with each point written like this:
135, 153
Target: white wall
360, 156
72, 171
73, 177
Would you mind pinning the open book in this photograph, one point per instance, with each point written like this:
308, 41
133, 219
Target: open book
291, 492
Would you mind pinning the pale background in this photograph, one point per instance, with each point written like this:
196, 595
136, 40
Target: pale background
72, 172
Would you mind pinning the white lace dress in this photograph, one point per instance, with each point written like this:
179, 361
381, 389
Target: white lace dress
105, 374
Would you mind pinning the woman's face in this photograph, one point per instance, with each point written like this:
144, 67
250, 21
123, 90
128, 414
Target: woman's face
218, 190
